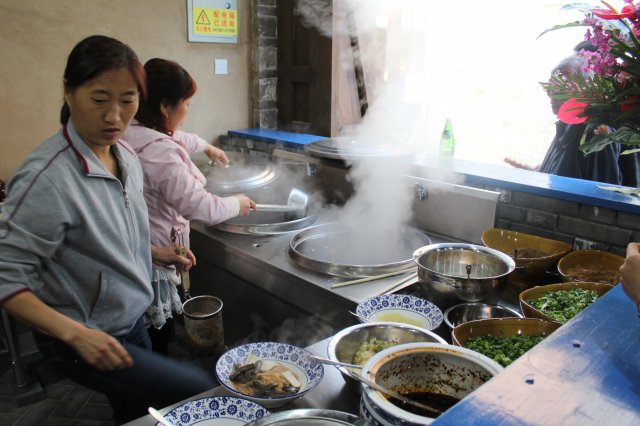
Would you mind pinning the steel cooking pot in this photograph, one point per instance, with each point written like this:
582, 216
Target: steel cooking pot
347, 249
450, 273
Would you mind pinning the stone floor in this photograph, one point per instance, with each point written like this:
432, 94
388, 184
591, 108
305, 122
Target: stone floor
60, 401
64, 403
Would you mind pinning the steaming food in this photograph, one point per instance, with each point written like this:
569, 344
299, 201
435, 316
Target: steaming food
259, 377
370, 347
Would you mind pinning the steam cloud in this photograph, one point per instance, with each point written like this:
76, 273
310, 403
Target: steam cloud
391, 40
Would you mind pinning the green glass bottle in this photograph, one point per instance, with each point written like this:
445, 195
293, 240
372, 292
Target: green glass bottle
447, 143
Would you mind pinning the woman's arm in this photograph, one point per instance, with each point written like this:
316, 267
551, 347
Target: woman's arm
630, 273
96, 347
195, 143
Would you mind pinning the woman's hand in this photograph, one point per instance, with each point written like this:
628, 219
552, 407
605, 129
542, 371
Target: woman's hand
630, 273
173, 255
216, 154
519, 165
96, 347
99, 349
246, 204
602, 129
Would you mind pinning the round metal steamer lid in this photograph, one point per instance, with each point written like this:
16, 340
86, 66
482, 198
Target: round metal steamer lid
236, 180
243, 174
344, 148
355, 250
307, 417
248, 225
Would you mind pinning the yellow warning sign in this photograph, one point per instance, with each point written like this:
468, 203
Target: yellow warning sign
209, 21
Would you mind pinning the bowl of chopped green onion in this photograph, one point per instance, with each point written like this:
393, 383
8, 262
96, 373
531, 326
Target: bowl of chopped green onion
560, 302
502, 339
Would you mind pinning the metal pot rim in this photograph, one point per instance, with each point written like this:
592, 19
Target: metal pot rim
341, 269
422, 251
197, 299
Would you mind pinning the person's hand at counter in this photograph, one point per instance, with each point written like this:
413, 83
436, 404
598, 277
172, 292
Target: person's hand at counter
216, 154
630, 273
97, 348
173, 255
246, 204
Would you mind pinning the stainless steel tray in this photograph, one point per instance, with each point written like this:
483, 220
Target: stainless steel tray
356, 249
307, 417
265, 223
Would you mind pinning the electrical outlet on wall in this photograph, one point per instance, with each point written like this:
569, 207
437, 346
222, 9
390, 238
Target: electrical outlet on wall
220, 66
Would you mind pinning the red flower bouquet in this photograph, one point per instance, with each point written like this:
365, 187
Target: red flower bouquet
609, 90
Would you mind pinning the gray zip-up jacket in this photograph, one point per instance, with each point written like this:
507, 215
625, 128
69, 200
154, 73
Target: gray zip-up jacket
76, 236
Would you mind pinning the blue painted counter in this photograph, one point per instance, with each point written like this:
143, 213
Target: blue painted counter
270, 135
568, 189
585, 373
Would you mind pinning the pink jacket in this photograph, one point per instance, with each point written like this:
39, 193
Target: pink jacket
173, 185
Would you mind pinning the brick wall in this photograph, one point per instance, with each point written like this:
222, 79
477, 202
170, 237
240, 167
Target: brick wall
264, 72
582, 225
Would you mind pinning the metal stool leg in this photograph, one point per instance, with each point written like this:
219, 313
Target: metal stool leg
27, 387
17, 366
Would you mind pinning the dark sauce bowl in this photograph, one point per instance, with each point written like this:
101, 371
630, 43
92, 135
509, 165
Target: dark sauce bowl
432, 372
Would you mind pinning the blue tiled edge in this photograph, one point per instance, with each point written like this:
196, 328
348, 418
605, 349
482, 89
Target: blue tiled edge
569, 189
564, 188
268, 135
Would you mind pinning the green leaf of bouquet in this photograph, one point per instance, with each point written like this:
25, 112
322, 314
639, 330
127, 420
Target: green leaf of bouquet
625, 190
561, 26
623, 135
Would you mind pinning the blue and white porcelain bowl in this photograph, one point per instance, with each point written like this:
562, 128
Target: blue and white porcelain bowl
216, 411
298, 360
400, 308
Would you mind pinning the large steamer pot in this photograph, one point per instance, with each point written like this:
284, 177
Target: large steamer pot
451, 273
355, 249
335, 156
244, 175
262, 180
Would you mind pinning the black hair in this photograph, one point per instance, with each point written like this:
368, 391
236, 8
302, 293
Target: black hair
93, 56
168, 83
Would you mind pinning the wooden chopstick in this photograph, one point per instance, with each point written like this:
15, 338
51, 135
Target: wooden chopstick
373, 278
398, 284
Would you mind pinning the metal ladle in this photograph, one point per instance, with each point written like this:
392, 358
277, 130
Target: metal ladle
338, 363
296, 205
431, 410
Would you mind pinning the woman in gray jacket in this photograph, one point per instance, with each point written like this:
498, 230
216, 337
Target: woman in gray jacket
75, 258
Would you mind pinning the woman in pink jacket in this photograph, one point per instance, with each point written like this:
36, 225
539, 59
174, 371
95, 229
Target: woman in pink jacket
174, 188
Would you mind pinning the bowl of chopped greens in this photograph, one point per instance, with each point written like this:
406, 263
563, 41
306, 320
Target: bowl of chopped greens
560, 302
358, 343
502, 339
591, 266
533, 254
